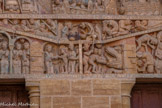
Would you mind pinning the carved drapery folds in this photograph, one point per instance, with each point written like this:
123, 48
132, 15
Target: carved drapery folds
96, 58
61, 58
21, 57
84, 7
14, 55
149, 53
19, 6
4, 54
46, 28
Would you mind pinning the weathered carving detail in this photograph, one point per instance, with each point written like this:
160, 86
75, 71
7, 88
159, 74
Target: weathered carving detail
46, 28
102, 59
149, 53
97, 58
61, 58
19, 6
21, 57
4, 55
83, 6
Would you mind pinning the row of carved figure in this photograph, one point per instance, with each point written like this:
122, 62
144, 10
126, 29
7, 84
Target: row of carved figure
95, 58
19, 6
149, 53
71, 30
81, 6
20, 57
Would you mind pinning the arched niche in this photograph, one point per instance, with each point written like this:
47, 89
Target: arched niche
21, 56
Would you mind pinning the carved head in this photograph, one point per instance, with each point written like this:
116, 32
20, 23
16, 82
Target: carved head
23, 22
48, 48
4, 45
68, 24
18, 46
32, 21
154, 41
15, 22
49, 21
71, 46
144, 22
26, 45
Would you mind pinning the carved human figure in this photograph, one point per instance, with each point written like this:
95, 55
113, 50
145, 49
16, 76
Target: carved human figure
12, 6
86, 54
148, 39
4, 55
33, 25
86, 31
114, 59
66, 30
17, 57
145, 62
125, 27
29, 6
141, 25
72, 57
25, 58
48, 59
110, 28
52, 26
158, 62
24, 26
66, 6
64, 56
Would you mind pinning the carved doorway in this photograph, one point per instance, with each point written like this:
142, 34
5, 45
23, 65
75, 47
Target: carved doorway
146, 95
13, 96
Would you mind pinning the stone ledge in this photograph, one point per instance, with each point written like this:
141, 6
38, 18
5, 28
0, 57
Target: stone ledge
77, 17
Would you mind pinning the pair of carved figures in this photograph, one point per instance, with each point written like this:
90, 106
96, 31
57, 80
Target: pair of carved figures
46, 28
61, 59
18, 6
21, 57
149, 53
102, 59
79, 6
112, 28
20, 54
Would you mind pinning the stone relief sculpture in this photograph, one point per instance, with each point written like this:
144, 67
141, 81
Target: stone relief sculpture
149, 53
96, 59
46, 28
21, 57
82, 6
102, 59
61, 58
4, 55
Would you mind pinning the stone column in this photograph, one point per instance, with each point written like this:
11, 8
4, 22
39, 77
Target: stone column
33, 88
126, 88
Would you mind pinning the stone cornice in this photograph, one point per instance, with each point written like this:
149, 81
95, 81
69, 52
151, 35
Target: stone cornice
78, 17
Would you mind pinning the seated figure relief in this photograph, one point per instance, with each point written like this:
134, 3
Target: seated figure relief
80, 6
149, 59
